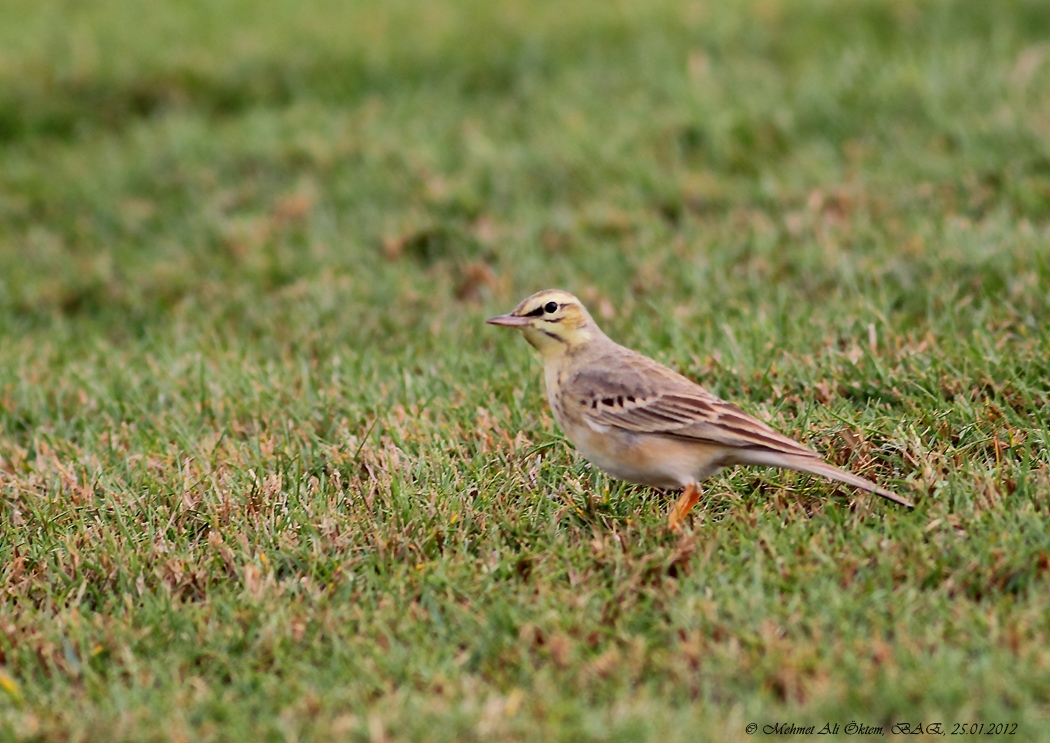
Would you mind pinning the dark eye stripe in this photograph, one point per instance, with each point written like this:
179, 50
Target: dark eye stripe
535, 313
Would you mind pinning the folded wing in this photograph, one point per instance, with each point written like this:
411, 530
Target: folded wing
661, 401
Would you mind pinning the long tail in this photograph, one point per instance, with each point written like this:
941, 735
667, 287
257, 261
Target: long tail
815, 466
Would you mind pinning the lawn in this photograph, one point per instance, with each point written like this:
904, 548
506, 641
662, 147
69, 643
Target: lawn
265, 474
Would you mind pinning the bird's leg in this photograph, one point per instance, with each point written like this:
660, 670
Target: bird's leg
690, 495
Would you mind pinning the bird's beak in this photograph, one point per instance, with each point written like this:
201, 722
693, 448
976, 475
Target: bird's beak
509, 321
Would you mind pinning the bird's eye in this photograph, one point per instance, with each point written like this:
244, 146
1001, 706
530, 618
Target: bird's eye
550, 307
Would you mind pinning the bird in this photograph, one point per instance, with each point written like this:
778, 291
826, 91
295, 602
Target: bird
642, 422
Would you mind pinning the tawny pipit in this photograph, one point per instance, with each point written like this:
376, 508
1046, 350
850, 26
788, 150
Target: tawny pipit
641, 422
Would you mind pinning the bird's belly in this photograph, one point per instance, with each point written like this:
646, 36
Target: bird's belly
647, 459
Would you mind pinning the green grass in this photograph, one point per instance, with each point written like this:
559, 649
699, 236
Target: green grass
266, 475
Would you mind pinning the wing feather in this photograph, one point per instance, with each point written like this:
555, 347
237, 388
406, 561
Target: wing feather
637, 394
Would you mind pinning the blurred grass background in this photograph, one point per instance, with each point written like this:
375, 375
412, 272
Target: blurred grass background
267, 475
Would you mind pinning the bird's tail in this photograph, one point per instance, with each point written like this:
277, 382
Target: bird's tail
815, 466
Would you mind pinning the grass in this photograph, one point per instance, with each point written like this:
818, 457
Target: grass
267, 476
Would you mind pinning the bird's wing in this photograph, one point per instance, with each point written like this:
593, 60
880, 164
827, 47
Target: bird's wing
646, 397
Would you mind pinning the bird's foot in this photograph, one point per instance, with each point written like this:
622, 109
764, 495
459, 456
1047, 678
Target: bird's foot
682, 507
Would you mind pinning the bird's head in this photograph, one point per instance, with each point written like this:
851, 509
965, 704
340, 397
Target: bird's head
552, 320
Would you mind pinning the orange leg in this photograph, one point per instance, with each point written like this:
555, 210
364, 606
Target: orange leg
681, 509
